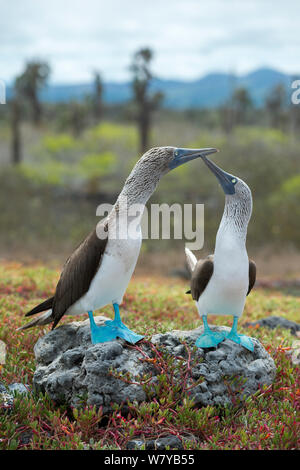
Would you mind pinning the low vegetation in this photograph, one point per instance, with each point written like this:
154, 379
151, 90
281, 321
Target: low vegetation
267, 420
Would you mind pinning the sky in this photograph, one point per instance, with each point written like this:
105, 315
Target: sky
189, 38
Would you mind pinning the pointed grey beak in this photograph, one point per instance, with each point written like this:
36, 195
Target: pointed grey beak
182, 155
226, 180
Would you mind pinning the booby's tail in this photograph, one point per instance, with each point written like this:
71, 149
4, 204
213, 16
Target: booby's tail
41, 307
42, 319
191, 259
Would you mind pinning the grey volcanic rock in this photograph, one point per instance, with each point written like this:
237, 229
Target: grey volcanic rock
162, 443
70, 369
6, 398
7, 394
18, 388
274, 322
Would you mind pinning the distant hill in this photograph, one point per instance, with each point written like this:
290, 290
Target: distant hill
210, 91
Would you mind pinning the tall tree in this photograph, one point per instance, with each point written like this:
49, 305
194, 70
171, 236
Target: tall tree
29, 83
15, 123
226, 110
77, 117
98, 91
236, 110
275, 105
145, 102
242, 104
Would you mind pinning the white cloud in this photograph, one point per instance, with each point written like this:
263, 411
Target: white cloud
189, 38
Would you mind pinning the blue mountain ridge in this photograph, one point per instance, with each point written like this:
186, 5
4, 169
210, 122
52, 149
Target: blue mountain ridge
210, 91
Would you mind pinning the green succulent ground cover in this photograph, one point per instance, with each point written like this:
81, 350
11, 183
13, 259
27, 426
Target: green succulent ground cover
267, 420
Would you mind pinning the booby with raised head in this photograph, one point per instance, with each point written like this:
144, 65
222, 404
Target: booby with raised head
99, 270
221, 282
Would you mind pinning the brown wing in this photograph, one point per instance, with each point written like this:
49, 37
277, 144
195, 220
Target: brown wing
252, 275
201, 276
77, 274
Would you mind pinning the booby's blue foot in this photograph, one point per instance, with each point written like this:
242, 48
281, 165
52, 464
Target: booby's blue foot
209, 338
243, 340
112, 329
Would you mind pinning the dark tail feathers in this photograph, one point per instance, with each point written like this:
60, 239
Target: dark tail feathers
41, 307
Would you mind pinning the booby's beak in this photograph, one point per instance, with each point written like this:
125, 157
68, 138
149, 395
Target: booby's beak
226, 180
185, 155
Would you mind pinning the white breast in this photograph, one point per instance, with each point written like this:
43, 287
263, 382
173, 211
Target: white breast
111, 280
226, 291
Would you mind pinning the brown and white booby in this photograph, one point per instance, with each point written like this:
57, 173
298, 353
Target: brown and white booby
99, 270
221, 282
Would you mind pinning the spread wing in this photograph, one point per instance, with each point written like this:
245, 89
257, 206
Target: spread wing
201, 276
78, 273
252, 275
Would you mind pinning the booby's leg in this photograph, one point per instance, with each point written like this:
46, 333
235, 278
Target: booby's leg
209, 338
100, 334
243, 340
112, 329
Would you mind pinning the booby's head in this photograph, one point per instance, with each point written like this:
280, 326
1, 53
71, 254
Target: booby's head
161, 160
231, 185
237, 193
155, 163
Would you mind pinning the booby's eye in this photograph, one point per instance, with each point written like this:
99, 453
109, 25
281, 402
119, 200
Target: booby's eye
234, 180
176, 153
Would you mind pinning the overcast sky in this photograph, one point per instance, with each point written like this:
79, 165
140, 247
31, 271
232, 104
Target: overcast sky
189, 37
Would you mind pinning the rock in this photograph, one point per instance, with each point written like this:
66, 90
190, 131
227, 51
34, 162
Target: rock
6, 401
274, 322
161, 443
227, 369
294, 353
25, 437
2, 388
135, 444
71, 370
6, 398
7, 394
18, 388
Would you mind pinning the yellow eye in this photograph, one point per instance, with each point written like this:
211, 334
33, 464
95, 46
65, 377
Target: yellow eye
233, 180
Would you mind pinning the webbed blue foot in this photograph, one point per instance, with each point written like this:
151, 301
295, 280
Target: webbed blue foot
112, 329
209, 338
243, 340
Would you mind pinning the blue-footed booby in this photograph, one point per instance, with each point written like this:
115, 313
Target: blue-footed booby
221, 282
99, 270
